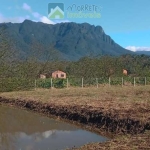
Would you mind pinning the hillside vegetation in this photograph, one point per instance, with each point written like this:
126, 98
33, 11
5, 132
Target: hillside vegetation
64, 41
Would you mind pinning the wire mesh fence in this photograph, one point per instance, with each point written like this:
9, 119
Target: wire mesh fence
30, 84
92, 82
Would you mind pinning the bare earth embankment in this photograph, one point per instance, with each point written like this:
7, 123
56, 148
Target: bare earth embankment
122, 113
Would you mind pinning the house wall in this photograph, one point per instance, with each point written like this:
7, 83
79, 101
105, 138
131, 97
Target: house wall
125, 72
59, 74
42, 76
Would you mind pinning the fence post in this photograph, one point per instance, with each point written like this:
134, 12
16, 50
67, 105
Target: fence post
82, 83
145, 81
67, 83
122, 82
35, 84
97, 82
44, 83
134, 81
51, 82
109, 81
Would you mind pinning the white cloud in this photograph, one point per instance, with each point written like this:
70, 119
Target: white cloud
12, 19
134, 48
26, 7
44, 19
41, 18
36, 17
20, 19
36, 14
62, 21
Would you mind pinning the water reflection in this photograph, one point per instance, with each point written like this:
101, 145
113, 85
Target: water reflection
22, 130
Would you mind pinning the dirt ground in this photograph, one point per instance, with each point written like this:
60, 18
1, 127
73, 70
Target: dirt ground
120, 112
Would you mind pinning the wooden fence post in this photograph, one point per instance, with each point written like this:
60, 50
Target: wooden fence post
82, 83
145, 81
51, 82
134, 81
44, 83
97, 82
35, 84
109, 81
67, 83
122, 82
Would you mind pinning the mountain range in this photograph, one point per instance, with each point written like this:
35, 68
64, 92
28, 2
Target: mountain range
143, 52
66, 41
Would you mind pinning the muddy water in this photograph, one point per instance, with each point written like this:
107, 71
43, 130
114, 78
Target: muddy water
23, 130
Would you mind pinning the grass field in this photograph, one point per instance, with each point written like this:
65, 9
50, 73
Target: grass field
136, 99
134, 94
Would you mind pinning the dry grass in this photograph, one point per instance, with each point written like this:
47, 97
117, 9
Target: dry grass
114, 99
134, 94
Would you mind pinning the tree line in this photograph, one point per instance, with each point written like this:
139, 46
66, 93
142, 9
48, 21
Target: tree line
106, 66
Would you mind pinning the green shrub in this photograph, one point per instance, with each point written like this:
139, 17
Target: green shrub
46, 83
59, 83
15, 84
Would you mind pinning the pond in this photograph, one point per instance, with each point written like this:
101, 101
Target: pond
24, 130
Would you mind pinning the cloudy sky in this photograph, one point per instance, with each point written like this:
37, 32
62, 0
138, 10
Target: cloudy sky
126, 21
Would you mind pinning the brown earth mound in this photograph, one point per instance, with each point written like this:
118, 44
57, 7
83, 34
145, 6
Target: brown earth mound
110, 121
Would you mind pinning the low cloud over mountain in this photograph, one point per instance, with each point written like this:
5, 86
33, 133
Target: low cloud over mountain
135, 49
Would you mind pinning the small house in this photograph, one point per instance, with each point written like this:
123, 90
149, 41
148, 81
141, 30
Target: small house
125, 72
42, 76
59, 74
45, 75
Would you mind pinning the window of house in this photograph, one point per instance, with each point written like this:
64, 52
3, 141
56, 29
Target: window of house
62, 75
